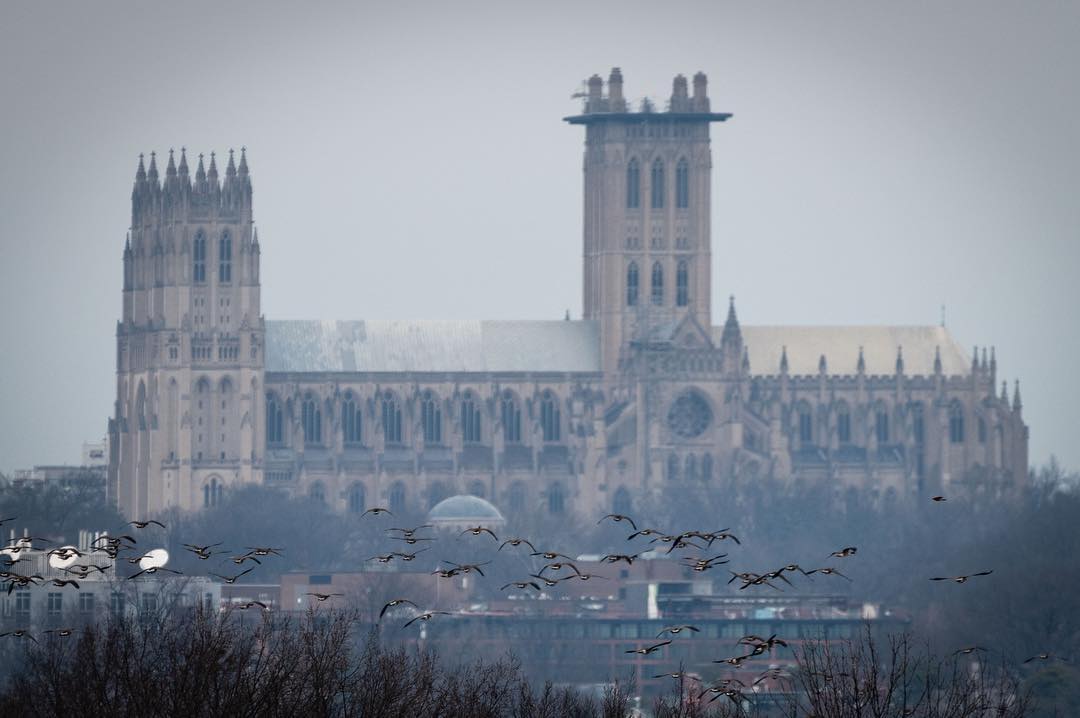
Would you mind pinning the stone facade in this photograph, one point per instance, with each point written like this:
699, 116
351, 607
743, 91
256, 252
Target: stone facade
642, 394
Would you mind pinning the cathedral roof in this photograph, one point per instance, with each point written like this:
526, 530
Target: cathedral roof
840, 345
432, 346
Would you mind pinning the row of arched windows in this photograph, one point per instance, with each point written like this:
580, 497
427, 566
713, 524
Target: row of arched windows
430, 419
656, 286
690, 468
656, 184
881, 424
199, 255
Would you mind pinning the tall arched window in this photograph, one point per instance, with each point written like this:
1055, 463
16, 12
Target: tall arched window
436, 493
516, 498
470, 419
431, 418
843, 424
225, 258
356, 498
622, 503
690, 472
657, 283
633, 185
212, 492
673, 467
351, 418
806, 423
682, 184
391, 419
317, 492
982, 430
556, 499
511, 418
203, 401
918, 423
881, 425
274, 420
396, 498
632, 283
549, 416
682, 284
956, 423
311, 416
198, 256
656, 184
706, 467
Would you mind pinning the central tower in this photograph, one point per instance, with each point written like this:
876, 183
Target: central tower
646, 218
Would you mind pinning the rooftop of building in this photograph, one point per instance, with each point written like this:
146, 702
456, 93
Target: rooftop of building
573, 346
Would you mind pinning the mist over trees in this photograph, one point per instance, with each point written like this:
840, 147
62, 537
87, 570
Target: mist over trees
1029, 605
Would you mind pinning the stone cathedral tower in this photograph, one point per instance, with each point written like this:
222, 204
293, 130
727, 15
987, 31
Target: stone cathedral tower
187, 420
647, 224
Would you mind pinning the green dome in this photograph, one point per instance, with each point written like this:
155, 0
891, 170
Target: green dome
465, 508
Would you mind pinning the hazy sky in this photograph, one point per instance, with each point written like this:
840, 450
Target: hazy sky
409, 161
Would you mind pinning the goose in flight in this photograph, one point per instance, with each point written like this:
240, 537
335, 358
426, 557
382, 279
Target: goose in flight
393, 603
521, 584
323, 597
962, 579
646, 650
844, 552
426, 617
477, 530
827, 571
376, 511
675, 630
144, 524
231, 579
618, 518
515, 542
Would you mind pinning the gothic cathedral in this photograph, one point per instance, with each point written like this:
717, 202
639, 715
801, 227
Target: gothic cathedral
643, 393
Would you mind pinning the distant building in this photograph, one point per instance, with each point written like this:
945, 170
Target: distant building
643, 394
86, 478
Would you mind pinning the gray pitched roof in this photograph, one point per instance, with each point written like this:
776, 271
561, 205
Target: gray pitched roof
840, 345
574, 346
432, 346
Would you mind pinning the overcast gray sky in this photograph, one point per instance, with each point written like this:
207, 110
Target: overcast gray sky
409, 161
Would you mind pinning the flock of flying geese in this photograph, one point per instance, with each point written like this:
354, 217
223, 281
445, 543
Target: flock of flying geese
560, 568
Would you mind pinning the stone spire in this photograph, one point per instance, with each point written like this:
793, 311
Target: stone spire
822, 365
183, 163
732, 334
243, 170
783, 360
152, 174
1017, 405
899, 360
860, 365
140, 173
212, 175
937, 360
201, 185
1005, 392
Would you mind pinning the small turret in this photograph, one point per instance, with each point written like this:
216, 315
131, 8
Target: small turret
616, 102
783, 360
983, 365
1017, 405
937, 360
595, 101
822, 366
860, 365
701, 98
993, 370
1004, 392
680, 100
899, 360
183, 164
